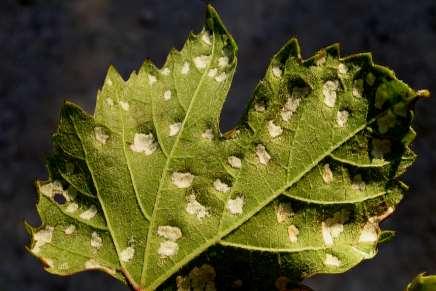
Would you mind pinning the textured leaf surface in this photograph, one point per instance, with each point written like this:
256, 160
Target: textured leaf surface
422, 283
148, 186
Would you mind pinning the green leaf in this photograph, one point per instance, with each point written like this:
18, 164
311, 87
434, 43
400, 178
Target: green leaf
148, 187
422, 283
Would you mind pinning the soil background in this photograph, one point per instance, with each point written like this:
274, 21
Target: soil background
53, 50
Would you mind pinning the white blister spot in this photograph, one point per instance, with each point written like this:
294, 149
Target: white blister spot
273, 129
194, 207
96, 240
70, 229
235, 206
205, 37
332, 227
182, 180
332, 261
207, 134
50, 189
201, 62
175, 128
358, 88
283, 212
342, 69
327, 174
109, 101
42, 237
151, 79
369, 233
127, 254
212, 73
221, 77
168, 232
185, 68
277, 72
100, 134
89, 213
293, 233
109, 81
167, 95
72, 207
93, 264
220, 186
320, 60
143, 143
289, 108
259, 107
165, 71
342, 118
223, 62
168, 249
235, 162
357, 183
124, 105
329, 90
262, 155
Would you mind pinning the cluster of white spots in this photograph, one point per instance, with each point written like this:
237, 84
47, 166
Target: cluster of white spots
223, 62
127, 254
357, 183
329, 90
124, 105
194, 207
370, 79
100, 134
234, 162
235, 206
369, 233
143, 143
42, 237
109, 81
205, 37
332, 261
289, 108
70, 229
283, 212
293, 233
50, 189
277, 72
109, 101
201, 62
185, 68
96, 240
202, 278
358, 88
72, 207
320, 60
182, 180
175, 128
89, 213
207, 134
327, 174
151, 79
342, 69
169, 247
262, 155
167, 95
220, 186
342, 118
168, 232
332, 227
273, 129
221, 77
92, 264
165, 71
380, 147
212, 73
259, 107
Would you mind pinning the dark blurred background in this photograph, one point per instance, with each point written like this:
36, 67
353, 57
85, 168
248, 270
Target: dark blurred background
52, 50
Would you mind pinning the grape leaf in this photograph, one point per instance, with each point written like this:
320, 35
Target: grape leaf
148, 185
422, 283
